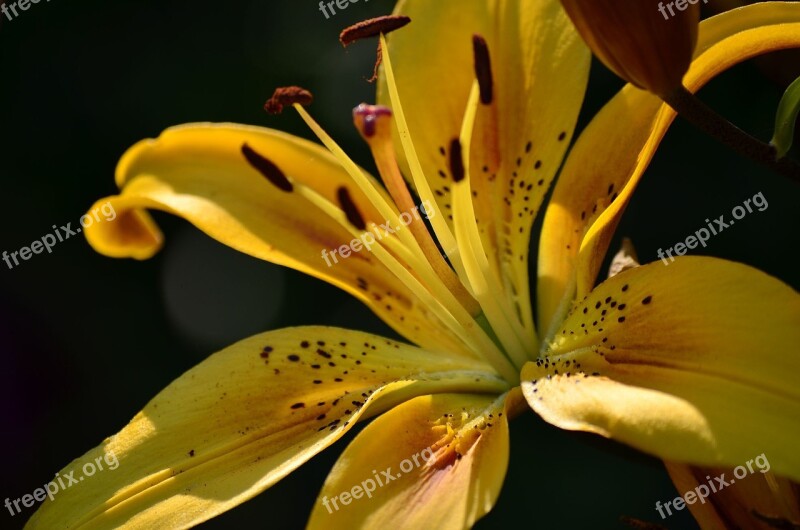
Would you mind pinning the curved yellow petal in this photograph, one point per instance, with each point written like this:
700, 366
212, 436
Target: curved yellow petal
611, 155
758, 499
206, 173
695, 362
433, 462
243, 419
540, 68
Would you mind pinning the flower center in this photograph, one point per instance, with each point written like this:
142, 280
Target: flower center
447, 267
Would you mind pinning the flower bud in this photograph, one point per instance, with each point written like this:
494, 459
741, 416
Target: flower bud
646, 42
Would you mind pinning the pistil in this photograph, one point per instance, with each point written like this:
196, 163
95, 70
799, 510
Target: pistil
374, 124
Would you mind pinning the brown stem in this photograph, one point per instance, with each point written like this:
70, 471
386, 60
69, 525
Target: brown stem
703, 117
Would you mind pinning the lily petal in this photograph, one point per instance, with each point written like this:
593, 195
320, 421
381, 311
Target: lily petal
603, 169
540, 69
694, 362
761, 500
447, 455
208, 174
246, 417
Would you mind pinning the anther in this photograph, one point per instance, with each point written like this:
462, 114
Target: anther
288, 95
372, 28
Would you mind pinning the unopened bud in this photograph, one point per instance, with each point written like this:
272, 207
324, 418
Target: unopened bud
646, 42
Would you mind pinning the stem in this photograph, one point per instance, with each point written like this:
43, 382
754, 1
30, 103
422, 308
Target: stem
706, 119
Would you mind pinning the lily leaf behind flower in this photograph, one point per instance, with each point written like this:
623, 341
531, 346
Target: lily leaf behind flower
648, 357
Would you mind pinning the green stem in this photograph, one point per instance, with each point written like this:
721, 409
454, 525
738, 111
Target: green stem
700, 115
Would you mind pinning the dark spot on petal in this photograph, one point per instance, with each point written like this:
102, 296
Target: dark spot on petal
483, 69
267, 168
456, 161
349, 208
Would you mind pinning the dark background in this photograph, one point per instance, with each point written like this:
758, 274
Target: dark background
86, 341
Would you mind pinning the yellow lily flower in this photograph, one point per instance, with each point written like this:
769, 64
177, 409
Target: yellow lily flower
694, 362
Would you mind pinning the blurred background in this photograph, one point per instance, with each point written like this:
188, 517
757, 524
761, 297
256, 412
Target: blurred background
86, 341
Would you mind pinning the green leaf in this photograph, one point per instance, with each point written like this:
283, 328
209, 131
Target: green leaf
785, 119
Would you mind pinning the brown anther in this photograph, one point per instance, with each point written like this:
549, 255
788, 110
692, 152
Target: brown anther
378, 61
372, 28
288, 95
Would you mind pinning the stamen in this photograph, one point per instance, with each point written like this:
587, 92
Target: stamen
483, 69
443, 233
433, 293
372, 28
443, 305
367, 185
485, 284
415, 256
267, 168
289, 95
374, 124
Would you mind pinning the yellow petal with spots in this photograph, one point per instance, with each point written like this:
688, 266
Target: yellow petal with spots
603, 169
213, 175
540, 68
434, 462
695, 362
245, 418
